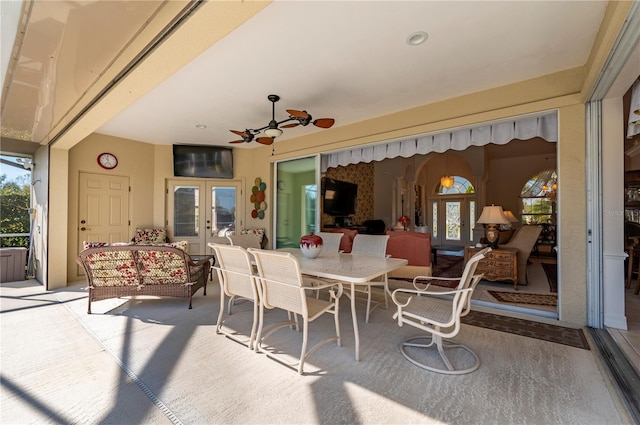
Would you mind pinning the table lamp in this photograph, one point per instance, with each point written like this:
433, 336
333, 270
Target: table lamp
512, 220
491, 217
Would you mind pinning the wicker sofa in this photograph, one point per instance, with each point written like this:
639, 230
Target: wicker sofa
129, 270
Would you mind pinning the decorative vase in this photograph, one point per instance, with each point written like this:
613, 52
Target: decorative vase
311, 245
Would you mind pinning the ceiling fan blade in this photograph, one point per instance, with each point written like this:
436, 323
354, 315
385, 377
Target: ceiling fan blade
237, 141
298, 114
265, 140
290, 125
239, 133
324, 122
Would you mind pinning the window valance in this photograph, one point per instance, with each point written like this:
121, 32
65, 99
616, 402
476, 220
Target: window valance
500, 133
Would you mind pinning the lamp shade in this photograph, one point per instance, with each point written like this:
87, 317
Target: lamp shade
493, 214
512, 218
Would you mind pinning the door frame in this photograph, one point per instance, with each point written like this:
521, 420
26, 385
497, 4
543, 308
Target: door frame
467, 221
199, 244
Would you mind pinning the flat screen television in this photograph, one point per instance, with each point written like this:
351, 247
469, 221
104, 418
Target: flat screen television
202, 161
339, 198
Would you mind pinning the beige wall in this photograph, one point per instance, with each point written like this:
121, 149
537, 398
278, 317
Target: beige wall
135, 160
572, 222
246, 167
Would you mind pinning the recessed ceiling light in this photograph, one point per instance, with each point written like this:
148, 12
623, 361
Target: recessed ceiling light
201, 126
417, 38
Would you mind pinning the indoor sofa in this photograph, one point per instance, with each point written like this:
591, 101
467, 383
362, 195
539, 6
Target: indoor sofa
414, 247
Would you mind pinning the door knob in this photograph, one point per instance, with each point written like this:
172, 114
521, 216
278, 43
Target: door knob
84, 228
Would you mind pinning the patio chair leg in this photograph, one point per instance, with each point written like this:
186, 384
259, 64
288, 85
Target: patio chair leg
441, 345
305, 328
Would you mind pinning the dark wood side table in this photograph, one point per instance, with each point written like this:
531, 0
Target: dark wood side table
498, 265
196, 258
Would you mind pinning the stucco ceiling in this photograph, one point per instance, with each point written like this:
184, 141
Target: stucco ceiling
350, 60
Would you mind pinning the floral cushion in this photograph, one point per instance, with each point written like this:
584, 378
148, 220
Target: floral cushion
259, 232
183, 245
160, 267
150, 236
88, 244
113, 268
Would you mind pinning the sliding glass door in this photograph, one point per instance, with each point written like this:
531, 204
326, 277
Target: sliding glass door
297, 201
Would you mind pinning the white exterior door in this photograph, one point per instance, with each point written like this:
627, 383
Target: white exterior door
103, 214
198, 210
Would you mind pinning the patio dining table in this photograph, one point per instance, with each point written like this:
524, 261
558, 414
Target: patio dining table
349, 269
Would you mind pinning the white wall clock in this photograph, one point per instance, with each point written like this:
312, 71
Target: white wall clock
107, 161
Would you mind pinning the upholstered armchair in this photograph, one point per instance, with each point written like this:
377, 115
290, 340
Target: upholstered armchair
523, 240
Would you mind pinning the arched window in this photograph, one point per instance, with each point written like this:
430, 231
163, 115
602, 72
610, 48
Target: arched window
538, 198
460, 186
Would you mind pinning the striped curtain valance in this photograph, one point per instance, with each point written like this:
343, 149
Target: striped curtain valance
500, 133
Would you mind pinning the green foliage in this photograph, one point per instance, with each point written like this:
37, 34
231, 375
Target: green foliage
14, 211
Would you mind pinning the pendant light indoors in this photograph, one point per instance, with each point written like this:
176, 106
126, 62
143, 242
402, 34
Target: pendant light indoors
446, 181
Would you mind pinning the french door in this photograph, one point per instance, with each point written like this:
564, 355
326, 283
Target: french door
199, 210
452, 220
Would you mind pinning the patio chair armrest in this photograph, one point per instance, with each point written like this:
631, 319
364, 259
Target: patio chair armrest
421, 292
316, 284
434, 278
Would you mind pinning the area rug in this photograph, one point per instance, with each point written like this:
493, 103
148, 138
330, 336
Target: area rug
551, 270
524, 298
448, 266
544, 331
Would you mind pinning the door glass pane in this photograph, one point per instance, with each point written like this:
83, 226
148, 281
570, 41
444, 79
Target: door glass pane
186, 206
472, 218
223, 210
310, 202
296, 200
452, 221
434, 221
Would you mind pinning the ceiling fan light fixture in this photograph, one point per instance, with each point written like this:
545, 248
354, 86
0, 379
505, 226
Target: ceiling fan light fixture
417, 38
273, 132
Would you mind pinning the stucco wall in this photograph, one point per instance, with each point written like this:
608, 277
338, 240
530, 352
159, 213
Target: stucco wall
134, 161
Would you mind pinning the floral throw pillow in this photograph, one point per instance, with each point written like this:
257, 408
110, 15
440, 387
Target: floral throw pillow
183, 245
150, 236
88, 244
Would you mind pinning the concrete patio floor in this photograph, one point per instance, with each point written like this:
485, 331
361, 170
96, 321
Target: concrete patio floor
144, 361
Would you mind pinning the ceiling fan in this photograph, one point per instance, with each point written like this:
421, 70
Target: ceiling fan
274, 128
